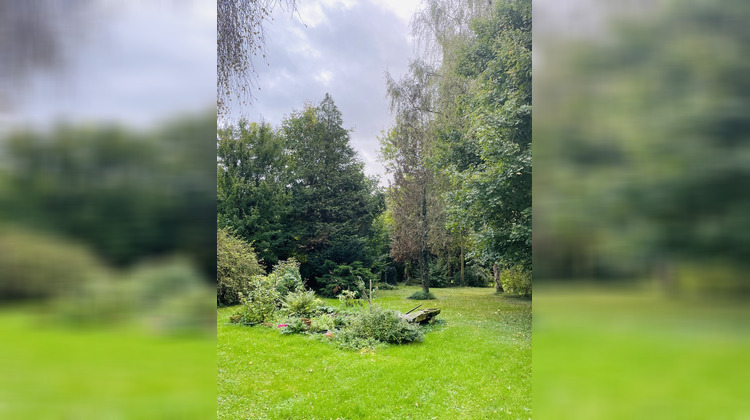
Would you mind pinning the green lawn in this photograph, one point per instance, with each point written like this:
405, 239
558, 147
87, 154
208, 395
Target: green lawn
631, 354
55, 373
476, 366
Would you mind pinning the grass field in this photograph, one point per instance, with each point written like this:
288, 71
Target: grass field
476, 366
54, 373
632, 354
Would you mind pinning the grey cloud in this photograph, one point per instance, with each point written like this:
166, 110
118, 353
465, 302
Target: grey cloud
357, 46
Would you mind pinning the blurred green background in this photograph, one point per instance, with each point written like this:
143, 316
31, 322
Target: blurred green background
641, 209
107, 210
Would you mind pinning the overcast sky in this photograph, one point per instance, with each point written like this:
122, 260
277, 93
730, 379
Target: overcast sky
137, 63
341, 47
144, 62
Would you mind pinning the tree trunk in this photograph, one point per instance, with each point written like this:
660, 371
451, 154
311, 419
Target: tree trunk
496, 274
463, 261
423, 259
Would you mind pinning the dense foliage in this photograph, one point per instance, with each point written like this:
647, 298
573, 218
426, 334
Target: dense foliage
648, 177
236, 263
460, 150
125, 194
300, 191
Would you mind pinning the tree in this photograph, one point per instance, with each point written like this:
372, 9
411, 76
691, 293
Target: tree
127, 195
496, 193
252, 196
406, 149
333, 202
240, 34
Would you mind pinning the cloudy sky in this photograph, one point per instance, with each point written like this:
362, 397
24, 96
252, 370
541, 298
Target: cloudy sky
341, 47
140, 63
134, 63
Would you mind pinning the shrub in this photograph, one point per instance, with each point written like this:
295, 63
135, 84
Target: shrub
294, 326
236, 263
378, 325
324, 322
516, 281
352, 277
301, 304
349, 340
261, 301
36, 266
477, 276
422, 295
439, 276
349, 299
287, 277
386, 286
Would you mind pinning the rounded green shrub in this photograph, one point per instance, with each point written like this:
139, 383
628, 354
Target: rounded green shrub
37, 266
378, 325
236, 263
516, 281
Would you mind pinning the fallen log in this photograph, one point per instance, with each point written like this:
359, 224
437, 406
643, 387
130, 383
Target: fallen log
422, 317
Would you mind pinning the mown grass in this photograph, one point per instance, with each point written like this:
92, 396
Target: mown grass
476, 366
633, 354
49, 372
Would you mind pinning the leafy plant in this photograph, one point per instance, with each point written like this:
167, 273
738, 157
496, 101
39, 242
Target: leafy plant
349, 299
261, 301
323, 322
287, 277
516, 281
378, 325
236, 263
294, 326
302, 304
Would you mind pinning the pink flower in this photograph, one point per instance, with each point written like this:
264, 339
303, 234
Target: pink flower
282, 325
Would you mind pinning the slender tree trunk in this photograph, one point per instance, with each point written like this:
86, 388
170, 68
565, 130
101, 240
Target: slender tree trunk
463, 261
423, 260
496, 274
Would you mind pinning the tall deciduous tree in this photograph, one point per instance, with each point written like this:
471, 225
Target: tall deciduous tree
492, 181
406, 149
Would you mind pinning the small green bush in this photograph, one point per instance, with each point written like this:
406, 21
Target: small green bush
261, 301
477, 276
385, 286
301, 304
287, 277
236, 263
37, 266
422, 295
294, 326
378, 325
323, 322
349, 299
516, 281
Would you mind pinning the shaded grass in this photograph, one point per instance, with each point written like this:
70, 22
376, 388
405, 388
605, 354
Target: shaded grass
57, 373
626, 354
477, 365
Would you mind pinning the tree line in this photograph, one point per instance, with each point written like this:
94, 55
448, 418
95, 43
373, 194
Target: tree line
459, 154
